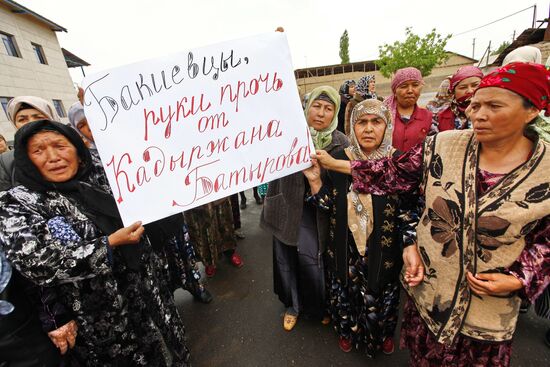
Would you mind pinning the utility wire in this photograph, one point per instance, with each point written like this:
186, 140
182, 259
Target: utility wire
498, 20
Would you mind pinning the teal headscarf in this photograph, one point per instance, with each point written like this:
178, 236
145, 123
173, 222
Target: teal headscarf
323, 138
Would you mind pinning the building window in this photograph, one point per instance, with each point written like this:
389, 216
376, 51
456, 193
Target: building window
4, 102
9, 44
39, 53
59, 108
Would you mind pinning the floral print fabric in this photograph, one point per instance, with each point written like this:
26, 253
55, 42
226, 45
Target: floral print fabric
125, 317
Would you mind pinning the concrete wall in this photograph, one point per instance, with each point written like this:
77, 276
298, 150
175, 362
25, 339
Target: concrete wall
383, 85
25, 75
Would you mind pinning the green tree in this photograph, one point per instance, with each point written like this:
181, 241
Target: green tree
344, 48
501, 48
422, 53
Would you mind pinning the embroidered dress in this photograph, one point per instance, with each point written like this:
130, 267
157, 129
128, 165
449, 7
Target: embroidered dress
531, 267
126, 316
211, 230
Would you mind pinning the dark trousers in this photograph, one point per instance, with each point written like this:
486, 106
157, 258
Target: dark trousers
28, 347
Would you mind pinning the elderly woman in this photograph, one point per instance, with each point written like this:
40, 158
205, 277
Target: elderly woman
365, 250
412, 122
365, 89
61, 229
298, 223
483, 237
22, 110
169, 236
462, 85
34, 311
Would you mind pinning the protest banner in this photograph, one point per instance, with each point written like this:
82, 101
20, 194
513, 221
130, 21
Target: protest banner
180, 131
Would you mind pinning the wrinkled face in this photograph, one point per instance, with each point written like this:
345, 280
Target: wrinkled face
369, 131
320, 114
3, 146
84, 129
25, 116
53, 155
407, 93
466, 86
351, 91
372, 86
498, 115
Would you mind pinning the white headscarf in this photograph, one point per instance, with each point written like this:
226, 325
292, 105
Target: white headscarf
524, 54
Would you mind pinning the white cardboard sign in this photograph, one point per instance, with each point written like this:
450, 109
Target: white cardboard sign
180, 131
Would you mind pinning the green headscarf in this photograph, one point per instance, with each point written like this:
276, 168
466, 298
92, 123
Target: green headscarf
323, 138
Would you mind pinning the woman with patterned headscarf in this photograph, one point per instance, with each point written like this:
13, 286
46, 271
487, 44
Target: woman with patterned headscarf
483, 239
298, 223
365, 89
412, 122
462, 86
364, 256
347, 91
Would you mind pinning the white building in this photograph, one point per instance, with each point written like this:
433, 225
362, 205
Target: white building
32, 62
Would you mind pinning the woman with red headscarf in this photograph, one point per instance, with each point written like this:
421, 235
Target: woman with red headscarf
412, 122
462, 85
482, 241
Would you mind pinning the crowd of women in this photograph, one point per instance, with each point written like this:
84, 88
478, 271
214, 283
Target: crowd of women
449, 202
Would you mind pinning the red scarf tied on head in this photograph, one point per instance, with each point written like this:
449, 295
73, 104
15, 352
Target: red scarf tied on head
462, 73
529, 80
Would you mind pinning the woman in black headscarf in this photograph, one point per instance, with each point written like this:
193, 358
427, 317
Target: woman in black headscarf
61, 229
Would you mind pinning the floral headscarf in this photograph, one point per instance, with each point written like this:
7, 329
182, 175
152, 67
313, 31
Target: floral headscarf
323, 138
360, 208
363, 87
344, 88
529, 80
442, 98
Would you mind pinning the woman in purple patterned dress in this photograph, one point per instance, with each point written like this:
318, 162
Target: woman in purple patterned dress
483, 236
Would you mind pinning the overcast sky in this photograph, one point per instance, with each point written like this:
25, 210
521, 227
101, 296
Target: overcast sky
117, 32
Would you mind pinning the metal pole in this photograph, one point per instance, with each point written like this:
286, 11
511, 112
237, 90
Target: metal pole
473, 48
514, 36
534, 15
488, 53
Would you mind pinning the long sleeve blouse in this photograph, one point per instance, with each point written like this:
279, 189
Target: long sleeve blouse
404, 174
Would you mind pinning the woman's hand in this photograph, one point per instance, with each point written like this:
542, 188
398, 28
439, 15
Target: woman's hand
64, 337
328, 162
313, 175
493, 284
127, 236
414, 268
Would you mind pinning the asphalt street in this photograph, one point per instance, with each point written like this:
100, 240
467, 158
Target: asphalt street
243, 324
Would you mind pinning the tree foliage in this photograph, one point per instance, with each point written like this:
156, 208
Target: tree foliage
344, 48
422, 53
501, 48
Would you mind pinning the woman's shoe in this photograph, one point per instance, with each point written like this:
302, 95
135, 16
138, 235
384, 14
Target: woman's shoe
236, 260
203, 296
239, 234
210, 270
325, 320
388, 346
289, 321
345, 344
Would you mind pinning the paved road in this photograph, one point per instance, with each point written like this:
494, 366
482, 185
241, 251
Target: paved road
243, 325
